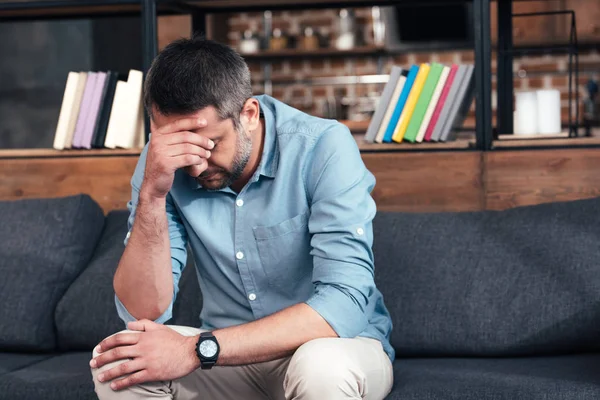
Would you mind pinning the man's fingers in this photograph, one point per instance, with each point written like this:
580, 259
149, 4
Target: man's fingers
121, 370
120, 339
134, 379
116, 354
196, 170
184, 124
187, 160
187, 148
189, 137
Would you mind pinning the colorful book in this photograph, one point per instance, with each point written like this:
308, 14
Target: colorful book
423, 101
391, 107
411, 102
88, 132
460, 74
441, 102
435, 98
90, 86
459, 104
410, 79
383, 104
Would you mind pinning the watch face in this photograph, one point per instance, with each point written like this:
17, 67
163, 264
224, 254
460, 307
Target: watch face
208, 348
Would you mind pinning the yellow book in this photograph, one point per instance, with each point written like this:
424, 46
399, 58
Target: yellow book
409, 108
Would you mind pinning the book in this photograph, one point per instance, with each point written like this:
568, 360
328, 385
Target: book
450, 99
435, 98
411, 102
88, 131
423, 101
86, 101
410, 79
441, 102
99, 135
81, 84
124, 122
69, 110
383, 104
459, 103
391, 107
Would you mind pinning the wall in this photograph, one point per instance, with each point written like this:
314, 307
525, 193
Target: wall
35, 58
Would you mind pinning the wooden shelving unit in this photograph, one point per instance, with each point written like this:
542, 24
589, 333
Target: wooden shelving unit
546, 143
52, 153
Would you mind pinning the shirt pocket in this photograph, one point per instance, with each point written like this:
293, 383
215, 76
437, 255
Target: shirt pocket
284, 251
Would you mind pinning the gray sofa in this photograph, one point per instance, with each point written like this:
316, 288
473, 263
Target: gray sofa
486, 305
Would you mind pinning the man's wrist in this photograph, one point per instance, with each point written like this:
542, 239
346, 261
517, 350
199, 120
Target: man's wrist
192, 341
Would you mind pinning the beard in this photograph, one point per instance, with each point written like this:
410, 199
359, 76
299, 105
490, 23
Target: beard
243, 150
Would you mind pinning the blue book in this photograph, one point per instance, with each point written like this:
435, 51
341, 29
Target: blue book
410, 79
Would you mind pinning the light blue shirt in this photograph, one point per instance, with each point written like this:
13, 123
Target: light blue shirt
299, 231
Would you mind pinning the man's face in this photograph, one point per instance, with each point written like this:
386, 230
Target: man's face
230, 154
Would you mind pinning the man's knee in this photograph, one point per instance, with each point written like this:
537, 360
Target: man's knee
320, 367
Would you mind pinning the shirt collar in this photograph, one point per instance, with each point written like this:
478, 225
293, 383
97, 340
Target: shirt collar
270, 154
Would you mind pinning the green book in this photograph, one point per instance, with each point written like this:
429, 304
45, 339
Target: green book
421, 107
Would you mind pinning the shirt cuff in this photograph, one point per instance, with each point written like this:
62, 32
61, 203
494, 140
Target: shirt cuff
339, 310
127, 317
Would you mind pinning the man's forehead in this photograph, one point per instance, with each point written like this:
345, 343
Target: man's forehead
214, 127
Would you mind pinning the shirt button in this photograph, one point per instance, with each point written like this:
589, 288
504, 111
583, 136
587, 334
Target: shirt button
252, 296
239, 202
239, 255
360, 231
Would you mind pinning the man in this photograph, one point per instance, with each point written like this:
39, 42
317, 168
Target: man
276, 208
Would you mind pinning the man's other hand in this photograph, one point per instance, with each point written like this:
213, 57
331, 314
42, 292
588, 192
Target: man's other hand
154, 353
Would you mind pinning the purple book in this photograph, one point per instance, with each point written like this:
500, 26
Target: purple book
88, 129
88, 92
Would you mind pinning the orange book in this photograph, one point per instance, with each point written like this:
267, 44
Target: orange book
411, 102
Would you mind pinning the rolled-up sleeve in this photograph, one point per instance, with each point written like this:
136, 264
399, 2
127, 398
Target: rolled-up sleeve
177, 237
339, 187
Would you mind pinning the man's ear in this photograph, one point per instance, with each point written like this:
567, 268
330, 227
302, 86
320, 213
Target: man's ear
250, 114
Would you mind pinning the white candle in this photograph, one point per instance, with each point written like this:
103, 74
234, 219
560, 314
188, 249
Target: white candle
526, 118
548, 111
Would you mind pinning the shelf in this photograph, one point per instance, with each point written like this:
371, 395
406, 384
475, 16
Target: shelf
356, 126
52, 153
459, 144
592, 141
320, 52
372, 51
70, 9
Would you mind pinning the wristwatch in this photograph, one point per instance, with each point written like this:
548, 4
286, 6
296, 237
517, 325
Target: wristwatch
207, 350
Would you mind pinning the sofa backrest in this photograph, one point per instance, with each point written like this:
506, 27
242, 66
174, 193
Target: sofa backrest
44, 246
515, 282
86, 314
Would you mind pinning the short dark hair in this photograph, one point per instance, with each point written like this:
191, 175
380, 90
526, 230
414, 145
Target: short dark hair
191, 74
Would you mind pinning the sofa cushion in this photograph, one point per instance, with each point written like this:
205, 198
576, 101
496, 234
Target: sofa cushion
63, 377
86, 314
13, 361
44, 246
517, 282
535, 378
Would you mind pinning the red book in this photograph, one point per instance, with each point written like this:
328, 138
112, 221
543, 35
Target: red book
440, 104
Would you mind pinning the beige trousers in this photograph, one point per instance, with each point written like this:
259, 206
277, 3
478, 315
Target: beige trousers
323, 369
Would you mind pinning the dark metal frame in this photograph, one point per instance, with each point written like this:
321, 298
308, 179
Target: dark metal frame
506, 51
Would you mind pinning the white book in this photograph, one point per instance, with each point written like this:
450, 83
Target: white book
72, 121
130, 122
116, 115
66, 109
435, 97
390, 109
